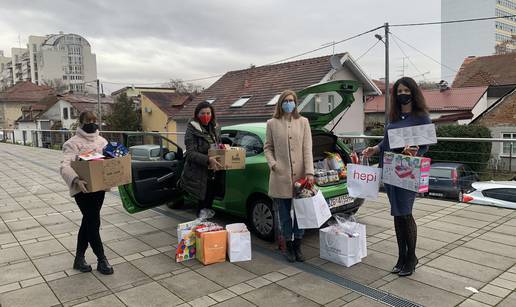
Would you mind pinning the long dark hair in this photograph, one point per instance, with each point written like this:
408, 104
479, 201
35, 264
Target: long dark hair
204, 105
419, 107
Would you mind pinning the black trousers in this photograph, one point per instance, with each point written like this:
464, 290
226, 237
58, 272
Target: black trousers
90, 205
211, 188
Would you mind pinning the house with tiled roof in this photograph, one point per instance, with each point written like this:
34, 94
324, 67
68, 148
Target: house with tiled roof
159, 110
22, 94
250, 95
487, 70
448, 106
500, 118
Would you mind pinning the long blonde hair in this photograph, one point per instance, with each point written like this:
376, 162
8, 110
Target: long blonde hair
278, 112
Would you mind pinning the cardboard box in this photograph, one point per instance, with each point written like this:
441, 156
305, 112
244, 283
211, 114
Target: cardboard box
230, 158
407, 172
104, 174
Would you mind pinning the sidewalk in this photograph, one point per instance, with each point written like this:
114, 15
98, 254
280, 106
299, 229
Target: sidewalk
459, 246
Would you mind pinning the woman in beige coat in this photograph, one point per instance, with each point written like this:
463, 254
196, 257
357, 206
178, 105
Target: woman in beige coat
288, 149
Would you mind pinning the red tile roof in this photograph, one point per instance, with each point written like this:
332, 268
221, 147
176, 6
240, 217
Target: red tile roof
453, 117
87, 102
169, 103
487, 70
26, 91
262, 83
453, 99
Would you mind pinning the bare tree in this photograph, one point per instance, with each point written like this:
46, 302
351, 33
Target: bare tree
57, 84
182, 87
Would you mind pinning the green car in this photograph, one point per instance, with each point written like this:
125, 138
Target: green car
243, 192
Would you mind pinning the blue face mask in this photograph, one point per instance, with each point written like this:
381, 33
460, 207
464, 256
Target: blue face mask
288, 106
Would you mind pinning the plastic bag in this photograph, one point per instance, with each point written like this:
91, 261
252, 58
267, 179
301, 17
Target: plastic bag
304, 189
115, 150
345, 223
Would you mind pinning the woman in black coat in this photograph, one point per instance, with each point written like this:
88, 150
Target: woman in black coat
198, 178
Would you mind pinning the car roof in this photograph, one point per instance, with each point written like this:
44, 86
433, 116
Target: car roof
482, 185
446, 165
257, 128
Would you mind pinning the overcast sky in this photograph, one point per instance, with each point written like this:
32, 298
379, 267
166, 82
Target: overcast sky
138, 42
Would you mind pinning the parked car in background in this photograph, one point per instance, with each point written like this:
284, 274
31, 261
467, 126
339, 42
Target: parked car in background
450, 180
492, 193
147, 152
242, 193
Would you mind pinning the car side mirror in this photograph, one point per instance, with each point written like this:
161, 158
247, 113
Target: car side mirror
170, 156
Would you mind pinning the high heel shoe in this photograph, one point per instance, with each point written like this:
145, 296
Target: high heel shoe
409, 268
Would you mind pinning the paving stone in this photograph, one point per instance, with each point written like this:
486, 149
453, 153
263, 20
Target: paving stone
32, 282
157, 265
360, 272
457, 229
128, 246
31, 233
380, 260
262, 264
476, 215
481, 257
422, 293
105, 301
38, 295
151, 294
312, 287
241, 288
494, 290
235, 302
17, 272
48, 220
62, 228
274, 295
43, 248
9, 287
23, 224
258, 282
190, 285
364, 302
465, 268
157, 239
336, 303
225, 273
53, 264
203, 302
137, 228
486, 298
472, 303
11, 254
500, 237
391, 247
222, 295
125, 273
133, 257
6, 238
492, 247
77, 286
274, 276
509, 301
55, 276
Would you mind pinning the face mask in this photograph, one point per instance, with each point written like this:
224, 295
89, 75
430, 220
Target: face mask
404, 99
205, 119
90, 128
288, 106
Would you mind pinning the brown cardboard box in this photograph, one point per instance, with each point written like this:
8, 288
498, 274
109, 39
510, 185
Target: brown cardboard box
230, 158
104, 174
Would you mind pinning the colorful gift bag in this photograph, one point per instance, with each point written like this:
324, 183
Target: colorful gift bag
186, 241
211, 246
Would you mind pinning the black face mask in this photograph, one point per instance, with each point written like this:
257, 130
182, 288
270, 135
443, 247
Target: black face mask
90, 128
404, 99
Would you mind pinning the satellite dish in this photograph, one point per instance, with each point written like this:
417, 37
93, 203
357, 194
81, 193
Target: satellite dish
335, 62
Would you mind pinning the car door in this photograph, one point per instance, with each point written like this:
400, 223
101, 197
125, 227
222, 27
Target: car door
154, 182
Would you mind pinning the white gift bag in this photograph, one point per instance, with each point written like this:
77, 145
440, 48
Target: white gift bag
340, 248
311, 212
239, 242
364, 181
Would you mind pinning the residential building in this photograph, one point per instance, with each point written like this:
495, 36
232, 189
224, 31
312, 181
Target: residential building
250, 95
6, 71
135, 92
23, 94
500, 118
479, 38
447, 106
60, 60
159, 111
496, 70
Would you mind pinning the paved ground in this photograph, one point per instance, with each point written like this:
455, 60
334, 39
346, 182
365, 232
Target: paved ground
459, 246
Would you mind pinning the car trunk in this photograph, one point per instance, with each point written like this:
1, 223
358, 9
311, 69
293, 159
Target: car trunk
323, 145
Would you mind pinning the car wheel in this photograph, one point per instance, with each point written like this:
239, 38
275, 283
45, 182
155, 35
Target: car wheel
261, 218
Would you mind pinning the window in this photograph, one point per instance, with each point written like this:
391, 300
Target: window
250, 142
65, 113
241, 101
505, 194
274, 100
506, 147
440, 172
211, 100
65, 77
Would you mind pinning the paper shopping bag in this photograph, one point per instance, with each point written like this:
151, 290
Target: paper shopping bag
311, 212
211, 246
186, 241
339, 247
239, 242
364, 181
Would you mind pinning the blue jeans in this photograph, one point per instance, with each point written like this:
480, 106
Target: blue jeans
283, 207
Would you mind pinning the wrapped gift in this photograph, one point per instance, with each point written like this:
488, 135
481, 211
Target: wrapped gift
407, 172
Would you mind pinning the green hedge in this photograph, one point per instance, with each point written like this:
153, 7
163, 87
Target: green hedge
474, 154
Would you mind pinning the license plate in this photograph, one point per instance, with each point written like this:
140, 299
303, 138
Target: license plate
340, 201
436, 194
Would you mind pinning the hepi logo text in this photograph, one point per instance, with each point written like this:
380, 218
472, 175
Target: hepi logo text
367, 177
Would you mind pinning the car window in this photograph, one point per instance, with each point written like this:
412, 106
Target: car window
501, 194
440, 172
250, 142
228, 137
138, 152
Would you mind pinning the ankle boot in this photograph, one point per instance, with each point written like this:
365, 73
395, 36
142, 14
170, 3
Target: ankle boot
297, 250
290, 253
104, 267
80, 264
409, 268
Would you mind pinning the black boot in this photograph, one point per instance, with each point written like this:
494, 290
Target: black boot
297, 250
80, 264
411, 237
290, 253
104, 267
402, 244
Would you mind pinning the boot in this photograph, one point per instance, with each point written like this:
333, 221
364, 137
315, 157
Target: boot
411, 238
290, 254
80, 264
297, 250
402, 245
104, 267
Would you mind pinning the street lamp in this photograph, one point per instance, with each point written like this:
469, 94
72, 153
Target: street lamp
99, 107
387, 90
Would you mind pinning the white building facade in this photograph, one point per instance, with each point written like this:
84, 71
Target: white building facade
60, 60
478, 38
